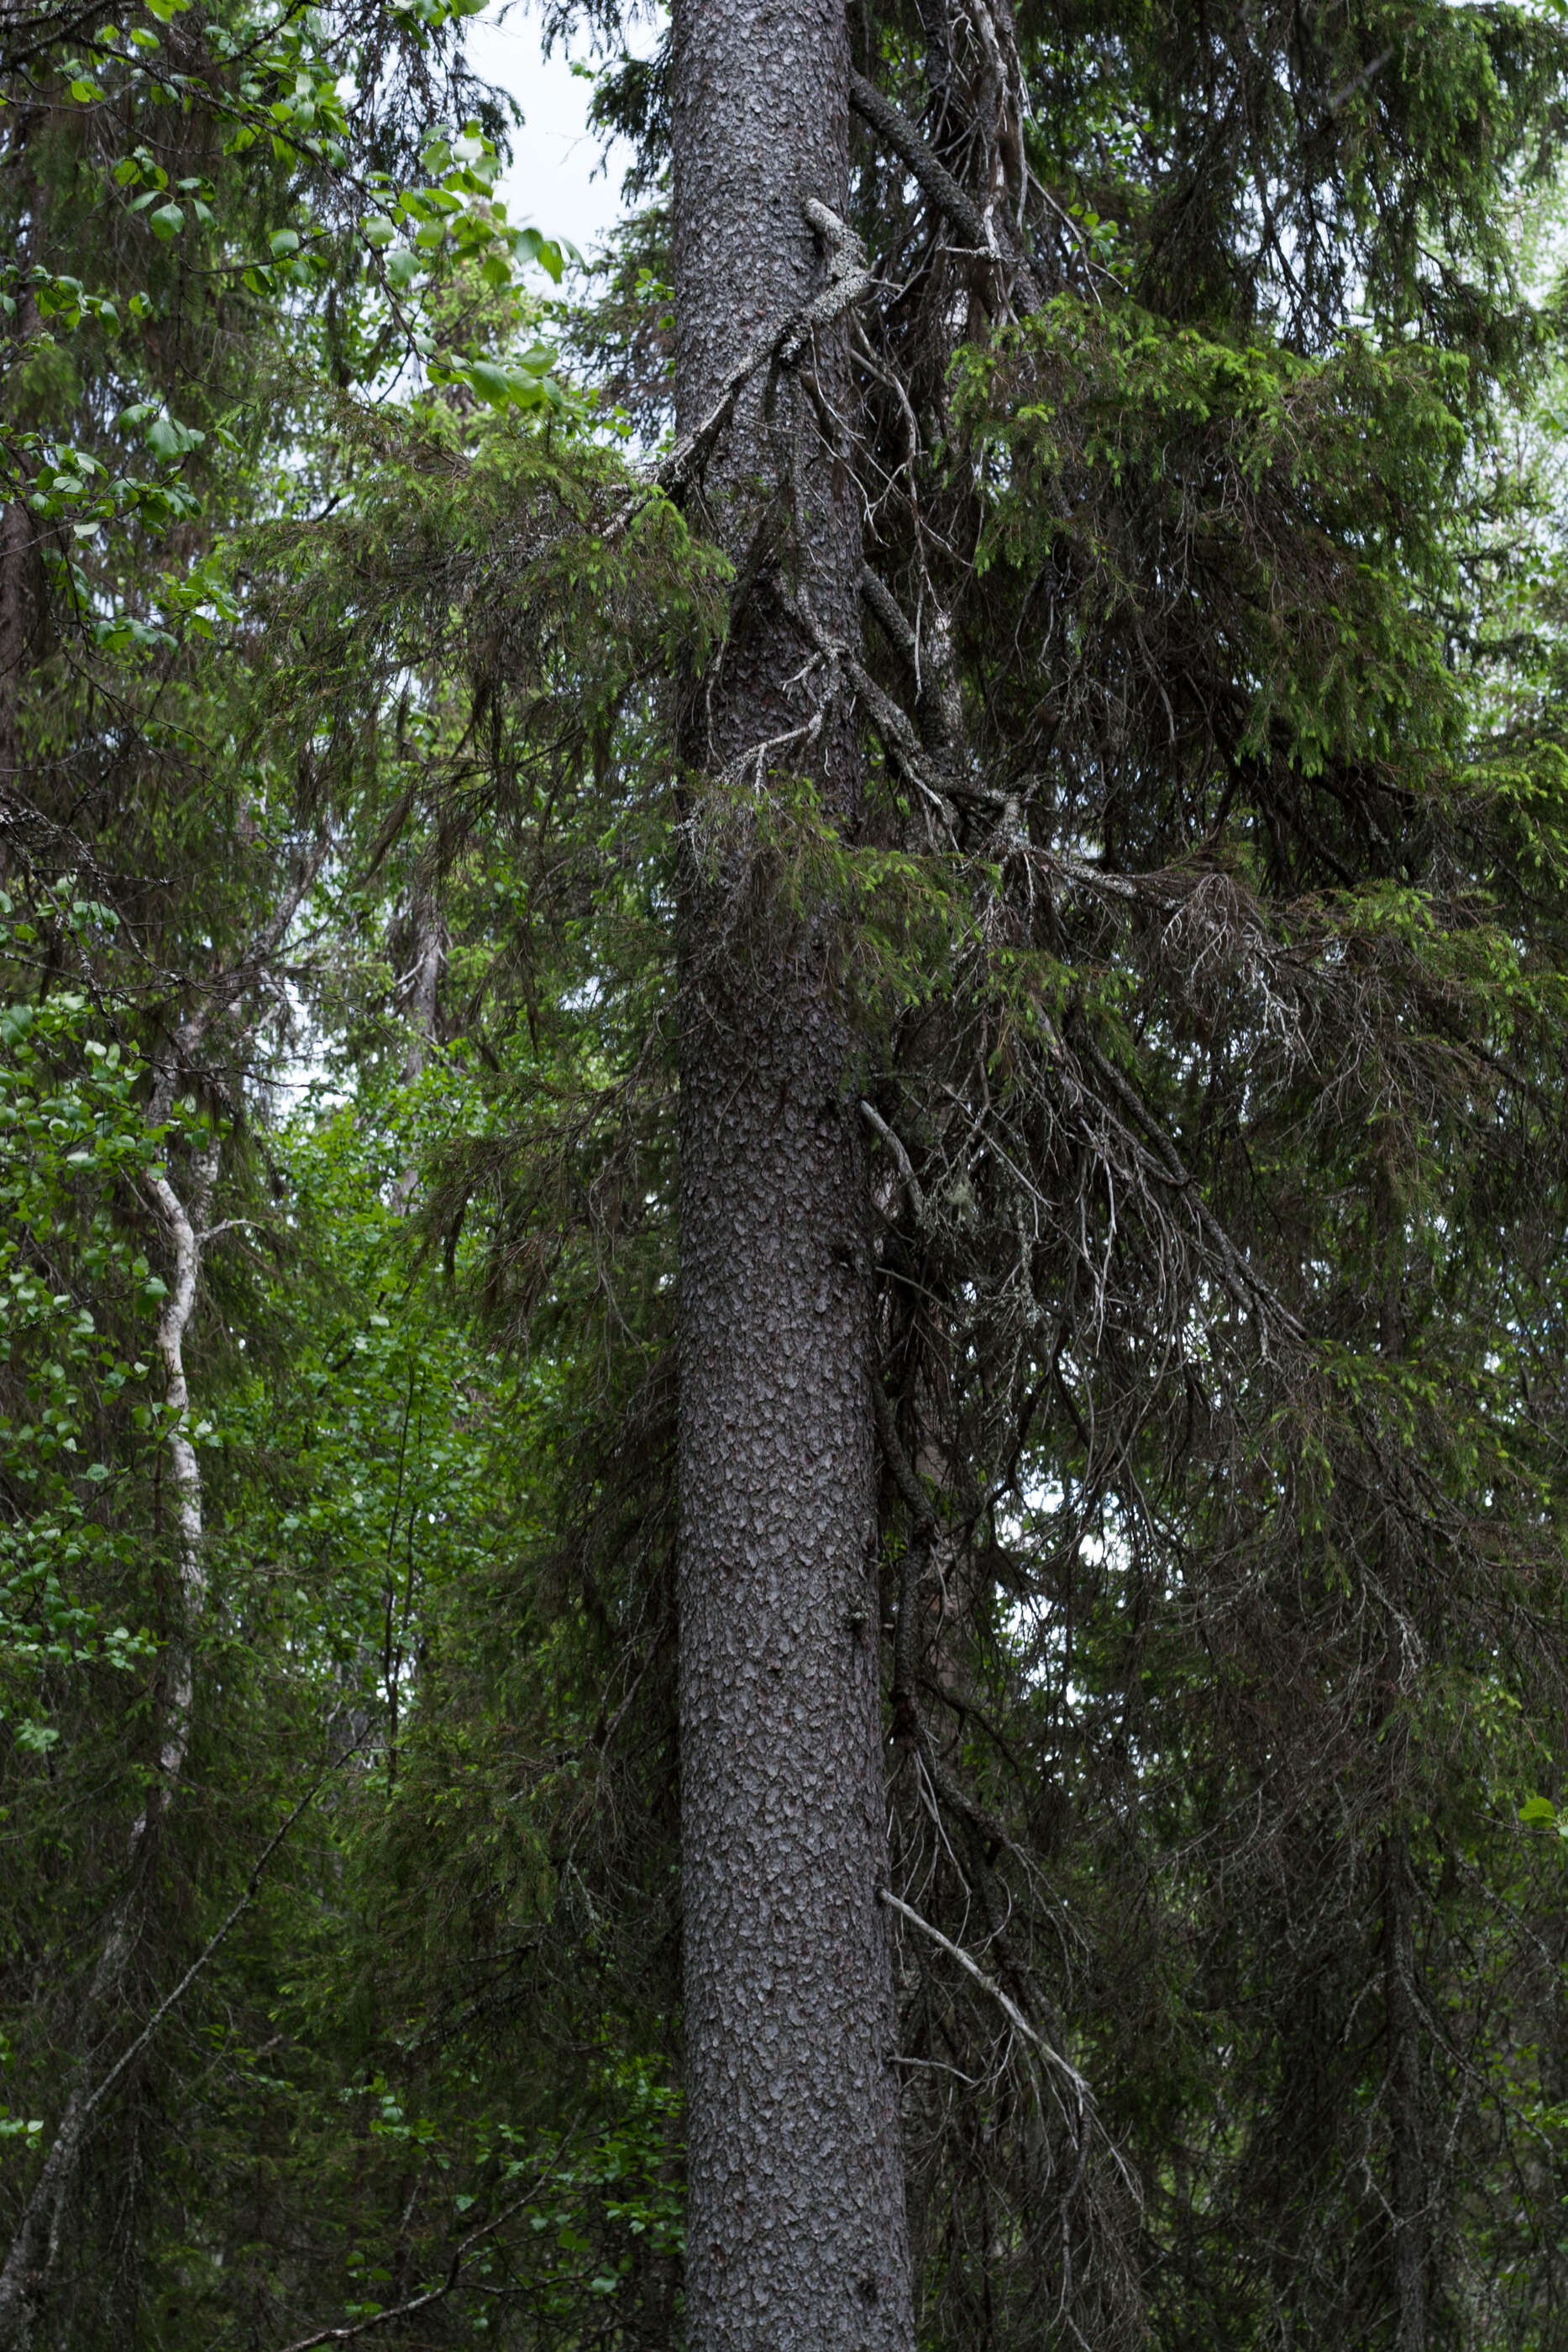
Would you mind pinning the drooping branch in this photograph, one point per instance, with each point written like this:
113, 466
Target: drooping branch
875, 1119
895, 731
984, 1835
997, 1992
898, 630
225, 988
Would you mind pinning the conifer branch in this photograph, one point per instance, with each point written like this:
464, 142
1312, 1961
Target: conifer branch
997, 1992
937, 183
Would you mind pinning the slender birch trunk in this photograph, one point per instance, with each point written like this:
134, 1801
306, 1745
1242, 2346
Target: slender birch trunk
16, 540
423, 983
798, 2239
35, 2244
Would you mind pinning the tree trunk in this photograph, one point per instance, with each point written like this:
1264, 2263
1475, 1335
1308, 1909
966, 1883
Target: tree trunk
797, 2238
34, 2241
15, 541
18, 540
1409, 2170
421, 985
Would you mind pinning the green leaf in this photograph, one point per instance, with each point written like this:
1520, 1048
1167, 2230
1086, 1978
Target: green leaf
1538, 1808
283, 241
378, 230
169, 438
166, 222
542, 249
490, 380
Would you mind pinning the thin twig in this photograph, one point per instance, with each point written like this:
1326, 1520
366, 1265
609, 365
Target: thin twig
1008, 2007
171, 2000
454, 2270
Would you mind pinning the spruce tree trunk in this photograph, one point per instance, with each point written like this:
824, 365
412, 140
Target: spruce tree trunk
1408, 2169
798, 2240
1409, 2184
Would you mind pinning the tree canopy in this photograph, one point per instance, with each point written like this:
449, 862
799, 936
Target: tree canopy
1092, 662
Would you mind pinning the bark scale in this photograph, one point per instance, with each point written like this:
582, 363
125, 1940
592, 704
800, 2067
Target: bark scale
797, 2236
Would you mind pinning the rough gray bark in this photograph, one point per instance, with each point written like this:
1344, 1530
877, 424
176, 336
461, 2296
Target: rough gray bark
798, 2239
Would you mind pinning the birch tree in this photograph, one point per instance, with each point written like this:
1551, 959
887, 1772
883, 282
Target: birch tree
903, 1420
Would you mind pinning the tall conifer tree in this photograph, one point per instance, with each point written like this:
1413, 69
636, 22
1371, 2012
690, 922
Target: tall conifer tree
1023, 857
797, 2230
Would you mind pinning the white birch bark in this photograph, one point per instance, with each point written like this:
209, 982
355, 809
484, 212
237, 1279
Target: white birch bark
35, 2243
423, 981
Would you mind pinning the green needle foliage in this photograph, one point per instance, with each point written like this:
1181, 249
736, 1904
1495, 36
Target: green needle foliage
1204, 933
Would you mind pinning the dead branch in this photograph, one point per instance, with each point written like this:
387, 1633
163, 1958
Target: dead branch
943, 189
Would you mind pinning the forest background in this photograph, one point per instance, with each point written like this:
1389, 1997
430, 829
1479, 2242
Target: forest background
1203, 925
